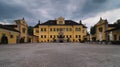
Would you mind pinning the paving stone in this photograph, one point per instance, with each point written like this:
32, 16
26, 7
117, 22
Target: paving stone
59, 55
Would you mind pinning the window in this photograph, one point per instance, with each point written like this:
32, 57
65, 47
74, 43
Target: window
70, 36
67, 29
23, 30
48, 40
66, 36
78, 29
11, 36
70, 29
50, 29
44, 29
100, 29
76, 36
60, 22
44, 36
58, 36
41, 36
54, 29
50, 36
37, 31
41, 29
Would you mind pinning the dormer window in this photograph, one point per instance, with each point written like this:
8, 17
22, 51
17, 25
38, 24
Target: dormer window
100, 29
60, 22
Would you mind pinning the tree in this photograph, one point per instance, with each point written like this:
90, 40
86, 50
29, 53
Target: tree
30, 30
93, 30
118, 21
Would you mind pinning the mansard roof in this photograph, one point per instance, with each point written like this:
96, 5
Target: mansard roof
54, 22
112, 25
8, 28
116, 27
11, 26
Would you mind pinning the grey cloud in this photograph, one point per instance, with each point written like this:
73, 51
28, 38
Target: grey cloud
8, 11
99, 1
34, 10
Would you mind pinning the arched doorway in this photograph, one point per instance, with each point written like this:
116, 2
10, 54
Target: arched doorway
22, 40
79, 40
4, 39
60, 37
68, 39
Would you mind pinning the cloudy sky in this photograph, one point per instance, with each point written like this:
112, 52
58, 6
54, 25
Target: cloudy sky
89, 11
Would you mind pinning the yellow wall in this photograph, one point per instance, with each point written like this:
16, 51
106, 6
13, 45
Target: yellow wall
101, 35
8, 33
105, 35
33, 39
117, 33
71, 33
21, 25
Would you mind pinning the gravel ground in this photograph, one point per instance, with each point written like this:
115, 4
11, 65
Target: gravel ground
59, 55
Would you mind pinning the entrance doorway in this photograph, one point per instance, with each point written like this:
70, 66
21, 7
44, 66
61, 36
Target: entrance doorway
22, 40
4, 39
61, 41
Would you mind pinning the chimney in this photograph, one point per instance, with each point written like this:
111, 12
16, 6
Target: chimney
80, 22
23, 18
39, 22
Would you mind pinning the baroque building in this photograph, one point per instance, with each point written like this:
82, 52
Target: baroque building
105, 32
16, 33
8, 35
60, 30
22, 27
101, 27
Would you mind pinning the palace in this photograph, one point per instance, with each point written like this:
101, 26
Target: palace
16, 33
60, 30
105, 32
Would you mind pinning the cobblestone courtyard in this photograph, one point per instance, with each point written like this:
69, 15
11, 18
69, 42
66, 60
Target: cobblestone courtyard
59, 55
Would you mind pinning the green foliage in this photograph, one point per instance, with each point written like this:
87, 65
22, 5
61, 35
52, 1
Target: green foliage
30, 30
118, 21
93, 30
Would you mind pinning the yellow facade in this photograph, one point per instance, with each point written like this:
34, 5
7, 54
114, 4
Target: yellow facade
116, 35
50, 33
12, 36
23, 28
101, 27
106, 32
32, 39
